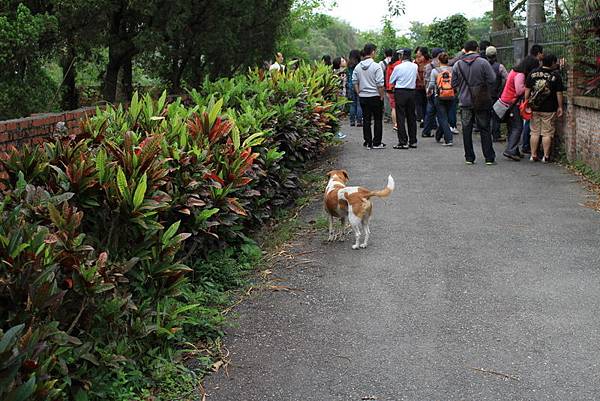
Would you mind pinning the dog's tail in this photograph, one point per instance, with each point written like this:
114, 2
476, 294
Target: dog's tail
386, 191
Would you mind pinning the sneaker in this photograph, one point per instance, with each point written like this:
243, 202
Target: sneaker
454, 130
545, 159
380, 146
469, 163
353, 124
490, 162
524, 150
395, 128
366, 144
400, 146
341, 135
533, 158
412, 146
511, 157
424, 135
359, 125
447, 144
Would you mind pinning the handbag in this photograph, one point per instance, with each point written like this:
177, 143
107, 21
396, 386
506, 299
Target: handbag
525, 110
500, 108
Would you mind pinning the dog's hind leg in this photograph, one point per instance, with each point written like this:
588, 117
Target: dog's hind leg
331, 233
356, 225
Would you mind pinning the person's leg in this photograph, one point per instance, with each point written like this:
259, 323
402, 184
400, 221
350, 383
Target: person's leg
547, 134
367, 135
467, 117
452, 113
421, 104
494, 125
515, 127
443, 109
430, 123
392, 100
535, 135
377, 109
411, 118
359, 112
525, 147
483, 122
401, 116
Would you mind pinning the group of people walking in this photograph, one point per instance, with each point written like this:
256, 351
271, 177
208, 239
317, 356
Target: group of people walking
429, 90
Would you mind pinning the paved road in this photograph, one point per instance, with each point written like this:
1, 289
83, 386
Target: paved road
473, 273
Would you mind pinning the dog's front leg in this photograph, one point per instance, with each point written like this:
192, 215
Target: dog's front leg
342, 229
367, 234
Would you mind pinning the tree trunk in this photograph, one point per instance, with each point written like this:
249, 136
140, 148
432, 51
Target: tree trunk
109, 90
70, 96
127, 79
501, 16
535, 15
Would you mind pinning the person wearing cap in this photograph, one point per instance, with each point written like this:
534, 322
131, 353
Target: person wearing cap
496, 90
430, 122
404, 79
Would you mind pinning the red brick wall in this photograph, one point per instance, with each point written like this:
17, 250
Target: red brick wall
38, 128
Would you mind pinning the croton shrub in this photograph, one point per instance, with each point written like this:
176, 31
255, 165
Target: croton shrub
105, 236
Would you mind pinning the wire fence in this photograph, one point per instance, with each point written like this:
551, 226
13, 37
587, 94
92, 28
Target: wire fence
505, 46
574, 41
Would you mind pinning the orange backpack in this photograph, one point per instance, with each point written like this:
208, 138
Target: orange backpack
444, 84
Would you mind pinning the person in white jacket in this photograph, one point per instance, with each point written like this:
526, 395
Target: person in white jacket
368, 82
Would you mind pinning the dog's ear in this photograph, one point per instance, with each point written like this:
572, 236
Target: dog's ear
345, 174
330, 173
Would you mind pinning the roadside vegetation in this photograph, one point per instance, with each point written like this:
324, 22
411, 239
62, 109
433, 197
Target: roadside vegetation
120, 245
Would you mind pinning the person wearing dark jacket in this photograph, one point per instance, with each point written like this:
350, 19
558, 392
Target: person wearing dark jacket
474, 77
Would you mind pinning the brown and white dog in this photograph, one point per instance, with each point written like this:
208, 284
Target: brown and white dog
352, 204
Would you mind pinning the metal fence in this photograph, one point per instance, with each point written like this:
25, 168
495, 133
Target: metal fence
504, 41
575, 41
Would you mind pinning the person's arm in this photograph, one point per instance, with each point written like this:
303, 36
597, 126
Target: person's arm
527, 93
355, 82
432, 81
559, 111
380, 80
456, 78
519, 84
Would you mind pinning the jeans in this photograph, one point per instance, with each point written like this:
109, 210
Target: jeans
494, 123
372, 107
526, 145
430, 121
515, 128
355, 109
405, 111
482, 117
421, 103
452, 113
443, 108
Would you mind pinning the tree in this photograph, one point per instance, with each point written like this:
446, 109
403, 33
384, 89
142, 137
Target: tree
25, 44
450, 33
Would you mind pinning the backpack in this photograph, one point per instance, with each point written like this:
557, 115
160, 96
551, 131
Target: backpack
443, 85
540, 92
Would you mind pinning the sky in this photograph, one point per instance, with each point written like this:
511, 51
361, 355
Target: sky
367, 14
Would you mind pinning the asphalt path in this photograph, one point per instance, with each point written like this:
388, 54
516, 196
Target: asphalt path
479, 283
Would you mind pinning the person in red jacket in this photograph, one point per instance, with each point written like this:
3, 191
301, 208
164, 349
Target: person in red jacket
389, 88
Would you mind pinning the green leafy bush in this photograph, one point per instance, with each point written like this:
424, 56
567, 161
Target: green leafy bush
118, 245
